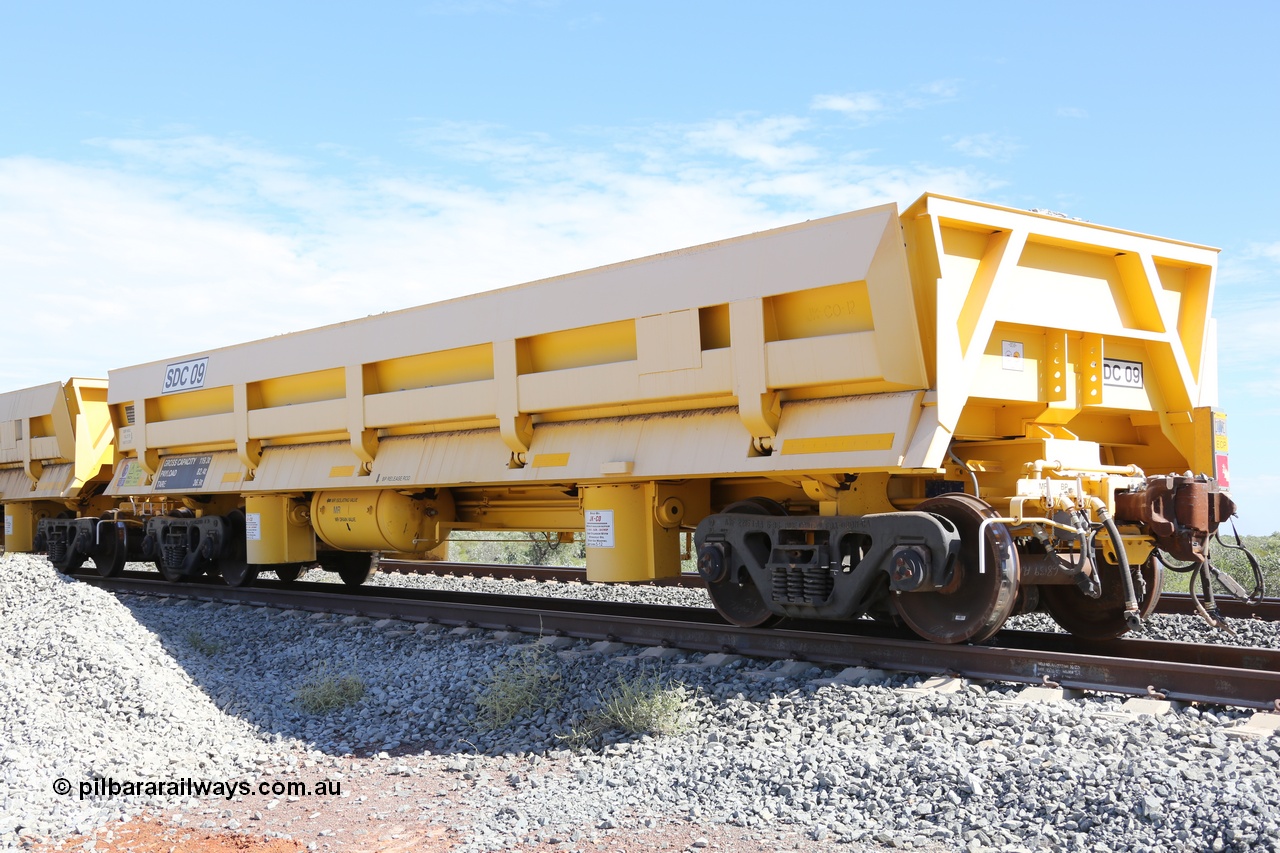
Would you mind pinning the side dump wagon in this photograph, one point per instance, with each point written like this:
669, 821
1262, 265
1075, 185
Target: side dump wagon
945, 414
55, 455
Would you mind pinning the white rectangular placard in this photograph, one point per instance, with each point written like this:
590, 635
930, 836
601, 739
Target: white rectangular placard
185, 375
1011, 355
253, 526
1121, 374
599, 528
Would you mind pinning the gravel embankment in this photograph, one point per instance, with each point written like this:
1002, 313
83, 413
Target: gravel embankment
87, 691
95, 686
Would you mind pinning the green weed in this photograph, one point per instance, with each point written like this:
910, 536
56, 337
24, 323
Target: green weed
197, 641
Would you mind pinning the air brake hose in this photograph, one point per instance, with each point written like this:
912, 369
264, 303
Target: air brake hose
1132, 617
1210, 614
1199, 577
1259, 580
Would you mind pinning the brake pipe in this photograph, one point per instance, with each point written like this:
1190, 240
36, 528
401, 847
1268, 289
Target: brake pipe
1041, 466
965, 467
1017, 520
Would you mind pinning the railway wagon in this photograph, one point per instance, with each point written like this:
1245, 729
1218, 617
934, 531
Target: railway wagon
56, 453
942, 415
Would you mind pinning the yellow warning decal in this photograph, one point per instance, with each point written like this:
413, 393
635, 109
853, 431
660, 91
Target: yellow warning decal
839, 443
550, 460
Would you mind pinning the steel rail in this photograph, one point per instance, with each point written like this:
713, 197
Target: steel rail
1268, 609
1227, 675
1176, 603
563, 574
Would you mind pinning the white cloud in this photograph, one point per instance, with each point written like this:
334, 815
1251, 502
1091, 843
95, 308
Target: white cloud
767, 141
191, 152
1072, 112
1255, 498
169, 246
106, 268
988, 146
1270, 251
858, 104
941, 89
867, 107
1247, 308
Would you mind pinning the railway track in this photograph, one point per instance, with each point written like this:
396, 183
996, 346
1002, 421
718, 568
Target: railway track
1268, 609
1178, 603
1226, 675
561, 574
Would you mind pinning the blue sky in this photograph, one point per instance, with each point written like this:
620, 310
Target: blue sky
174, 178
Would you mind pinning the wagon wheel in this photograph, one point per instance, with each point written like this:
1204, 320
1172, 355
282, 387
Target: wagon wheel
172, 575
741, 603
975, 605
109, 561
1102, 618
233, 564
71, 561
289, 572
354, 567
238, 572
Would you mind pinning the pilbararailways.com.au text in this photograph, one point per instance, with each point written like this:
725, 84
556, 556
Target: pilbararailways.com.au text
189, 787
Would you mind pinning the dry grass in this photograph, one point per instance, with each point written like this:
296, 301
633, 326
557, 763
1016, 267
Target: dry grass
325, 691
528, 682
